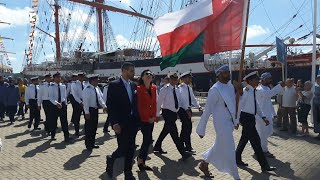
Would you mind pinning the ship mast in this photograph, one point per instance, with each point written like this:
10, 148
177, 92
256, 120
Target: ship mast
99, 5
57, 38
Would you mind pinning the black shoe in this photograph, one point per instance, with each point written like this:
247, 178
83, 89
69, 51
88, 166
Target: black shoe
186, 155
271, 168
37, 128
109, 168
68, 140
191, 151
29, 126
95, 147
106, 131
129, 176
269, 155
143, 167
242, 164
284, 129
159, 150
53, 138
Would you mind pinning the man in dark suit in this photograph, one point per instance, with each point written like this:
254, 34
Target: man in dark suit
124, 119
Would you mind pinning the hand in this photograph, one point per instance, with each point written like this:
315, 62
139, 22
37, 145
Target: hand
151, 120
236, 127
59, 105
267, 122
105, 110
189, 114
81, 104
157, 119
39, 108
87, 116
27, 107
283, 84
116, 128
200, 109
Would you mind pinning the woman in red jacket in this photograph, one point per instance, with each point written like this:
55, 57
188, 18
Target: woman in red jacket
147, 106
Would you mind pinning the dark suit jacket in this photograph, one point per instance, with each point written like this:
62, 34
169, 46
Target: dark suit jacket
119, 105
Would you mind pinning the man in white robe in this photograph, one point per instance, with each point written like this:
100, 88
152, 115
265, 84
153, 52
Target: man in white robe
264, 95
221, 104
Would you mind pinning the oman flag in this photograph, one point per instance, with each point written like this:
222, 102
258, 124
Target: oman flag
206, 27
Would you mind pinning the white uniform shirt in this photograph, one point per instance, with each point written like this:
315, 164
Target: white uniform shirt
30, 93
43, 93
264, 95
289, 97
166, 99
184, 95
68, 88
247, 102
105, 94
54, 93
90, 100
76, 90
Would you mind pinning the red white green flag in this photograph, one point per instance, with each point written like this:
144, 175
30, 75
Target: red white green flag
206, 27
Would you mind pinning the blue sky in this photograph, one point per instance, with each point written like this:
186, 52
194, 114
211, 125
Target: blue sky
266, 17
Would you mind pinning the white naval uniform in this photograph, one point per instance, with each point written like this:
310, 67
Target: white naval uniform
30, 93
221, 104
43, 93
264, 95
105, 94
89, 98
76, 90
54, 93
184, 94
166, 99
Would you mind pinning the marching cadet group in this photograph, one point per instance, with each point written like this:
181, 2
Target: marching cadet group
134, 106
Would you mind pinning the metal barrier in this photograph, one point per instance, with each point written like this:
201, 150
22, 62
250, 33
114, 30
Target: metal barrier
201, 97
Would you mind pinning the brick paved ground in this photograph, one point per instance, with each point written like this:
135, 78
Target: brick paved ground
30, 155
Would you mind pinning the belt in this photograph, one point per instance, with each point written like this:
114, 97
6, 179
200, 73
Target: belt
93, 108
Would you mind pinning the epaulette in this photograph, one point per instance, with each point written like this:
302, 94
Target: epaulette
52, 84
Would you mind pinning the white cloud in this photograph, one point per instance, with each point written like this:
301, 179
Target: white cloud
77, 15
17, 16
256, 30
123, 42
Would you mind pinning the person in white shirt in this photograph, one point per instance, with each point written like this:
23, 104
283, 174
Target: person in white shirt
31, 98
221, 104
188, 101
289, 106
58, 99
304, 106
105, 95
248, 110
168, 100
264, 95
70, 97
76, 90
44, 99
92, 101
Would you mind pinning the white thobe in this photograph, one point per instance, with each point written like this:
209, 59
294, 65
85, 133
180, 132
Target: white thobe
264, 95
221, 104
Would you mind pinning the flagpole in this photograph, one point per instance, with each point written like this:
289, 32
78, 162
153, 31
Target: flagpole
242, 54
314, 51
230, 64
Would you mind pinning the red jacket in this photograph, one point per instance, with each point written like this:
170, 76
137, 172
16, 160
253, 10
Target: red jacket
147, 105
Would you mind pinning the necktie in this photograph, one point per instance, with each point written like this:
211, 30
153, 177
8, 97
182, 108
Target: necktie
59, 94
35, 92
97, 102
81, 85
175, 99
189, 96
255, 102
128, 87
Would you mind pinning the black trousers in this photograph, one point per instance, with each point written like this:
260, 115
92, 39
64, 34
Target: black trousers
249, 133
126, 146
46, 107
21, 109
2, 110
76, 115
170, 127
72, 101
146, 130
55, 112
34, 113
90, 127
106, 125
12, 110
186, 129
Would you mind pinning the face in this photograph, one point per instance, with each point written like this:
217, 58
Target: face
1, 79
48, 79
95, 82
129, 73
81, 78
35, 82
289, 83
21, 82
147, 77
318, 80
299, 83
174, 80
307, 86
187, 80
57, 79
166, 81
254, 82
225, 75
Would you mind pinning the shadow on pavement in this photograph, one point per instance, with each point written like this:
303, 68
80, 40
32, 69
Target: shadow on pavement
12, 136
40, 149
76, 161
170, 170
22, 124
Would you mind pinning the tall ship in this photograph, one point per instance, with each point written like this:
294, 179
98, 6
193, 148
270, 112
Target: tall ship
73, 47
